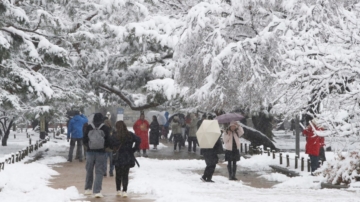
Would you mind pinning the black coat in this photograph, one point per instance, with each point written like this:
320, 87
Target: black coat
98, 120
211, 155
154, 133
126, 150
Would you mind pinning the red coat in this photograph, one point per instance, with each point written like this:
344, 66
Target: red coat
141, 129
313, 143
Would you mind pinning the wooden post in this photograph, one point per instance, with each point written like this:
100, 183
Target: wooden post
287, 160
296, 161
13, 158
268, 150
302, 163
273, 154
246, 150
16, 157
29, 141
14, 136
297, 135
308, 165
280, 158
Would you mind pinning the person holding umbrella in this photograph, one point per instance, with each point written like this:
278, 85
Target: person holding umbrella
232, 145
208, 137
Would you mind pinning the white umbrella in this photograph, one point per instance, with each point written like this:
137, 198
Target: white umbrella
208, 133
160, 117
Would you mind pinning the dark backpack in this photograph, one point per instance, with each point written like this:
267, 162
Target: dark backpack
96, 138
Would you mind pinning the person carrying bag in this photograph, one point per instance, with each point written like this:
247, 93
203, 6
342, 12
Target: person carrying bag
123, 158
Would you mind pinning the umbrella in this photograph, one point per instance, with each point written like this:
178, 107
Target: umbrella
227, 118
160, 117
208, 133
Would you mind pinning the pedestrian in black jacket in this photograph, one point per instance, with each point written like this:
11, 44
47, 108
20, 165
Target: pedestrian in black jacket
122, 144
154, 132
211, 159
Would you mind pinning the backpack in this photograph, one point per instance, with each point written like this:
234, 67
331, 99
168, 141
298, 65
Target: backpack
96, 138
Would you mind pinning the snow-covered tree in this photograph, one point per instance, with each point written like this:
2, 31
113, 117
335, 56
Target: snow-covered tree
35, 67
319, 67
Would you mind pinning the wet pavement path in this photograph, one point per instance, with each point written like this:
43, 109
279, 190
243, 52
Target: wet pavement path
74, 174
247, 176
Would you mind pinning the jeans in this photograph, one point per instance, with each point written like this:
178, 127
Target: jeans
78, 149
109, 156
177, 141
314, 162
122, 177
95, 160
192, 141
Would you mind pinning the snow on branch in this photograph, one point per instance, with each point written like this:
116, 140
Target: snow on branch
127, 100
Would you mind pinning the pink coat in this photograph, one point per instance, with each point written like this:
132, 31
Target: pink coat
228, 138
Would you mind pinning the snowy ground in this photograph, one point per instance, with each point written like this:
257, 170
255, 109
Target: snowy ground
165, 180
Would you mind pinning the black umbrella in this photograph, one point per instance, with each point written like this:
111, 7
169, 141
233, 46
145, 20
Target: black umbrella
257, 138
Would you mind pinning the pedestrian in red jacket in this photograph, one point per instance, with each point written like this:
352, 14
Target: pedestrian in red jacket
313, 143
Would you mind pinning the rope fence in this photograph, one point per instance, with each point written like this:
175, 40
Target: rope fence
21, 154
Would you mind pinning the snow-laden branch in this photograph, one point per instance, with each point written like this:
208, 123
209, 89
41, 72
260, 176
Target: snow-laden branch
127, 100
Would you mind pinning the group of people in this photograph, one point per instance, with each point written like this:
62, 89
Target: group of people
101, 141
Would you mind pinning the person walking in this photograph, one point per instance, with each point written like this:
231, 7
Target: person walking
231, 140
176, 132
75, 135
211, 159
109, 152
192, 140
165, 128
313, 143
96, 139
124, 144
141, 129
154, 132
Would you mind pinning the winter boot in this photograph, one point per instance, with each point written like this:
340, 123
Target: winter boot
230, 173
234, 173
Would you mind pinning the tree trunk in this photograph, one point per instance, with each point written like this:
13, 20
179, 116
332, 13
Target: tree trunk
6, 135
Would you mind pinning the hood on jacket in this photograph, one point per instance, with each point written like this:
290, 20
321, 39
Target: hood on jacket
77, 117
98, 119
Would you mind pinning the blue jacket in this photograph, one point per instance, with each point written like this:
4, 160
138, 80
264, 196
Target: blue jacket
75, 127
